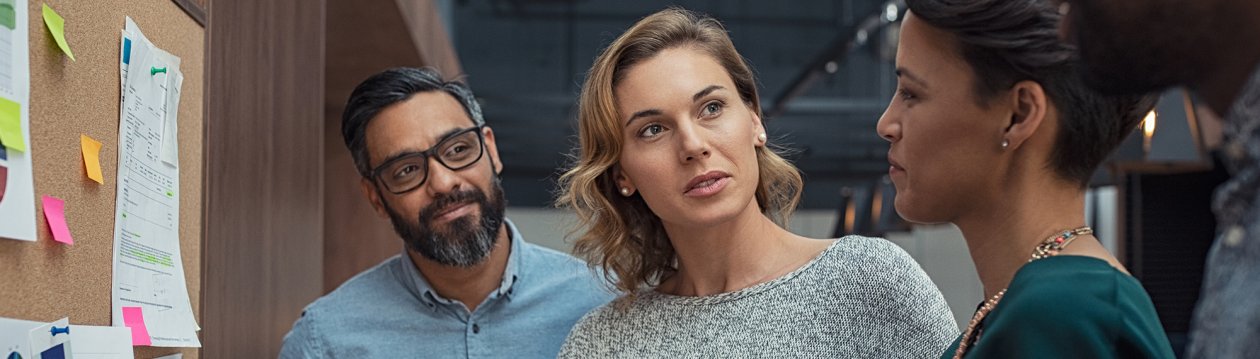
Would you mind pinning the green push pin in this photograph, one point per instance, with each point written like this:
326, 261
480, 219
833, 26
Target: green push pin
157, 70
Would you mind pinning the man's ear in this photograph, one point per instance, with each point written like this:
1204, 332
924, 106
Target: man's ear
373, 196
1030, 107
492, 149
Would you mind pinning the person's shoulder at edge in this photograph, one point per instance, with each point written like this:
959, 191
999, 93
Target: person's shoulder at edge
594, 324
385, 277
881, 254
599, 326
564, 271
893, 282
1081, 297
305, 338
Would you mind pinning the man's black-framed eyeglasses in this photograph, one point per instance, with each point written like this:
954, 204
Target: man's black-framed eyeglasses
456, 152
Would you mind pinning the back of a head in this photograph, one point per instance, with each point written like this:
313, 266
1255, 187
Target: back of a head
1007, 41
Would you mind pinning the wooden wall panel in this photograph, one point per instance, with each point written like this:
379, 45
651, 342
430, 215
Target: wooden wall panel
264, 188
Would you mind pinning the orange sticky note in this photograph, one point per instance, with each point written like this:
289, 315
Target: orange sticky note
54, 213
92, 158
133, 317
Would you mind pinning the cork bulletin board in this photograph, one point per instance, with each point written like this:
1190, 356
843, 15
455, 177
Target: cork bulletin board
45, 280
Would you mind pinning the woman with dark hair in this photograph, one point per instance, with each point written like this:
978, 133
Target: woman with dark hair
993, 131
684, 205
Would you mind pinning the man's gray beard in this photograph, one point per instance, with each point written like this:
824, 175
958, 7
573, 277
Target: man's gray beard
467, 241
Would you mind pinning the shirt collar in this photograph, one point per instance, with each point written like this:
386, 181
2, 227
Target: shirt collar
415, 282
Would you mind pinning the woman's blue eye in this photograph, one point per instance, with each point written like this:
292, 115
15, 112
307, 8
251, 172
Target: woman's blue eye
712, 108
651, 130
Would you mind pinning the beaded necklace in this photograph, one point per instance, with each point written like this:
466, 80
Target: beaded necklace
1048, 248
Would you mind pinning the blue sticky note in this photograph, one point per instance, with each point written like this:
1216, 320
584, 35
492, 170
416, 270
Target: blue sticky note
4, 154
56, 352
126, 51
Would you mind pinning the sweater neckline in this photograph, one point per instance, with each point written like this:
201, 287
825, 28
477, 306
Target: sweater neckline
651, 294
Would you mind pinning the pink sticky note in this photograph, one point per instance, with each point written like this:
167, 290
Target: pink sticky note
133, 317
54, 212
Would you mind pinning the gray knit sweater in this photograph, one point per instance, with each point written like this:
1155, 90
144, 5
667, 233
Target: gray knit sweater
861, 298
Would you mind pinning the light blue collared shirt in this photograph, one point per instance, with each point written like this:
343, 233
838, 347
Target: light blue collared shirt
390, 311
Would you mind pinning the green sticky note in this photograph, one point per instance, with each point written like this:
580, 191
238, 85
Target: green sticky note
57, 26
8, 16
11, 125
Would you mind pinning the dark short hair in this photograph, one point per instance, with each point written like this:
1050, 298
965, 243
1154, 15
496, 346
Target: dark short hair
1007, 41
390, 87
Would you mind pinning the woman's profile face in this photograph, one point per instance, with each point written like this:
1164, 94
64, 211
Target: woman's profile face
944, 144
689, 141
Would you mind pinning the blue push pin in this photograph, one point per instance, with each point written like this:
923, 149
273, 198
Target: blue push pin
157, 70
63, 330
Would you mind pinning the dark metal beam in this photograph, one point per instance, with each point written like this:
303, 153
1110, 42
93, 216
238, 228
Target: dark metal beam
832, 56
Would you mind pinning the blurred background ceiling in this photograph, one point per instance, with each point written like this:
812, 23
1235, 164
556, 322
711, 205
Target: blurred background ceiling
824, 67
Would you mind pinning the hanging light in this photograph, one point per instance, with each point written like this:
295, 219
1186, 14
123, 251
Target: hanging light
1148, 130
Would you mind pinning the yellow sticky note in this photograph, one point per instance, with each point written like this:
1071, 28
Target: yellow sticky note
11, 125
92, 158
57, 26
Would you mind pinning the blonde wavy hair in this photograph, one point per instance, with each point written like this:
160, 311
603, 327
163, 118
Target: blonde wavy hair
621, 234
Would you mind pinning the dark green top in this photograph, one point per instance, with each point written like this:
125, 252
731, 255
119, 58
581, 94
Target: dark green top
1071, 307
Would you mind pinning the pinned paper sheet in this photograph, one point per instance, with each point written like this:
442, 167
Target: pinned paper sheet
54, 212
56, 352
57, 26
133, 317
51, 340
93, 342
11, 125
92, 158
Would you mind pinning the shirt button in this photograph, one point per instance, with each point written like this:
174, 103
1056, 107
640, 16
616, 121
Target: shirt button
476, 329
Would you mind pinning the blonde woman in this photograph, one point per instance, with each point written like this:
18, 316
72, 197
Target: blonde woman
682, 205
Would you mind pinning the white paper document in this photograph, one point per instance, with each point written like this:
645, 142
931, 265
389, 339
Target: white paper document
90, 342
17, 181
52, 340
14, 337
95, 342
148, 268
